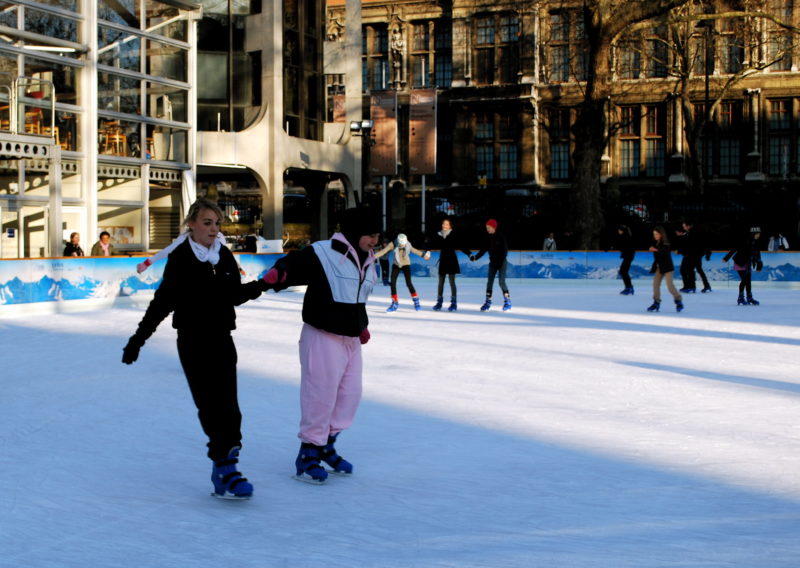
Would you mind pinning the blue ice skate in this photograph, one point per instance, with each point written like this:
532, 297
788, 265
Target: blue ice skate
308, 466
507, 303
339, 465
229, 483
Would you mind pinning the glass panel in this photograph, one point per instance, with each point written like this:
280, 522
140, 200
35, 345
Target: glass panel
118, 93
166, 102
123, 185
50, 25
119, 138
63, 77
37, 178
125, 12
8, 15
66, 130
9, 179
123, 223
169, 144
71, 181
161, 21
166, 61
66, 4
119, 49
9, 224
33, 233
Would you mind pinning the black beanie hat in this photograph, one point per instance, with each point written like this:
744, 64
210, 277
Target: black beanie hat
357, 222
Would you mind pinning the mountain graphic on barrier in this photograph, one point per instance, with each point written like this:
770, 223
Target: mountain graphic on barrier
15, 291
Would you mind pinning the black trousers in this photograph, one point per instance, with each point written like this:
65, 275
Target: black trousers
624, 272
440, 289
406, 270
688, 266
209, 362
745, 282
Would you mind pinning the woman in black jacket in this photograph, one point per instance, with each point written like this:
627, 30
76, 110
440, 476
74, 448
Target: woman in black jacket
663, 269
447, 241
746, 256
73, 247
201, 285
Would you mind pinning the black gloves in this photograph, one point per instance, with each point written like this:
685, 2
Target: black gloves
708, 255
759, 265
131, 351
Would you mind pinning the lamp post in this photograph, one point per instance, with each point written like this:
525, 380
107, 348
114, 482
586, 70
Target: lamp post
706, 25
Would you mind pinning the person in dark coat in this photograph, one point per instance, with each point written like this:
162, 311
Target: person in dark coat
626, 252
497, 247
663, 269
448, 242
200, 287
73, 247
692, 247
746, 256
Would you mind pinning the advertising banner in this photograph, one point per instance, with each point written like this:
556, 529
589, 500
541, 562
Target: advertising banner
422, 132
383, 152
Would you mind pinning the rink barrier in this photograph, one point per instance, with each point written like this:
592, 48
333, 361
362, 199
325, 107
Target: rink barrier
113, 280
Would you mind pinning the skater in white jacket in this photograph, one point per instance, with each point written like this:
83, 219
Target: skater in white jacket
402, 263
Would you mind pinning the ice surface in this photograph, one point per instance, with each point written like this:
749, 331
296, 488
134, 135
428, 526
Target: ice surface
576, 430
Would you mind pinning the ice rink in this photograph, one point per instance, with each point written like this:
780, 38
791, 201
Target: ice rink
576, 430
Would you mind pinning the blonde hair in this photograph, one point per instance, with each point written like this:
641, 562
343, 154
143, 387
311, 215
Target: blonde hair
199, 205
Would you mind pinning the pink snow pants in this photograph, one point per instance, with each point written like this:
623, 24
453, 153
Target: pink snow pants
330, 383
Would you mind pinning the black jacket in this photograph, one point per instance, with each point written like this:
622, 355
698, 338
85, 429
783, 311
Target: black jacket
320, 309
746, 254
448, 261
625, 245
72, 250
201, 296
692, 245
662, 259
497, 247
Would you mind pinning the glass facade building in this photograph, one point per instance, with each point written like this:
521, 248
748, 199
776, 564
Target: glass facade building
104, 88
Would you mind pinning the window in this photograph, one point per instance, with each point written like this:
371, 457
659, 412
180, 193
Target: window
630, 143
655, 141
229, 94
420, 55
730, 127
375, 53
780, 136
496, 147
558, 131
496, 51
656, 54
443, 53
630, 59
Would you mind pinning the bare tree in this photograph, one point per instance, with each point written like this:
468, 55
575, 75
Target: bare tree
605, 22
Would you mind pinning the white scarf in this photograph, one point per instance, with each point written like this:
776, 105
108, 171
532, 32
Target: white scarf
444, 234
206, 254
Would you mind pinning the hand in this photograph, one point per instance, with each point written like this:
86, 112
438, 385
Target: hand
472, 257
365, 336
131, 351
759, 266
708, 256
274, 277
427, 255
142, 266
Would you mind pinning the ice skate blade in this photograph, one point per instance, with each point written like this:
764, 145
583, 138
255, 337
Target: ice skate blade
308, 479
230, 496
339, 473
